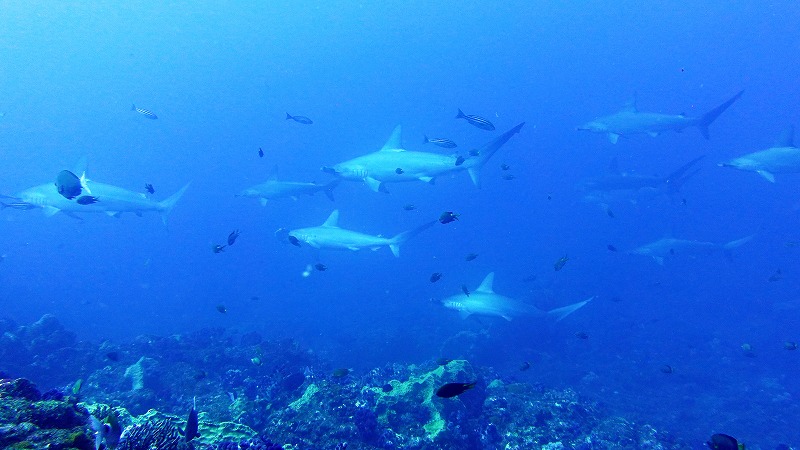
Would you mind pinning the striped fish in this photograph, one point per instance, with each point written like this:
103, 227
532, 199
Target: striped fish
441, 142
145, 112
477, 121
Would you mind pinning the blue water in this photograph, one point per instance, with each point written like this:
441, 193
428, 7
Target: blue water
221, 79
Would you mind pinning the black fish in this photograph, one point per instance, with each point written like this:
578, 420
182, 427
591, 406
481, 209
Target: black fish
387, 388
441, 142
581, 335
260, 152
611, 248
505, 166
477, 121
775, 276
145, 112
299, 119
443, 361
149, 188
409, 207
560, 263
460, 160
435, 276
471, 257
451, 390
216, 248
87, 200
448, 216
113, 356
68, 184
190, 432
321, 267
232, 237
508, 176
667, 369
294, 241
398, 171
222, 309
721, 441
610, 213
524, 366
465, 290
474, 152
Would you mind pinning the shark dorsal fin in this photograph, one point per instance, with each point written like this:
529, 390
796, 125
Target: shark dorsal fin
393, 144
273, 175
333, 219
786, 139
486, 284
630, 105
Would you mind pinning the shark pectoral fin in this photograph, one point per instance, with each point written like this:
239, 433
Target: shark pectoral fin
653, 133
84, 183
508, 318
263, 201
613, 137
395, 248
50, 211
464, 314
374, 249
659, 260
767, 175
353, 248
375, 185
475, 175
430, 180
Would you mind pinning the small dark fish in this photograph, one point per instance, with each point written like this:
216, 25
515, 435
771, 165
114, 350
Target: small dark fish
398, 171
474, 152
443, 361
232, 237
524, 366
409, 207
68, 184
666, 369
222, 309
387, 388
321, 267
145, 112
294, 241
581, 335
149, 188
190, 432
509, 176
451, 390
87, 200
199, 375
683, 201
477, 121
341, 373
672, 251
465, 290
775, 276
471, 257
721, 441
792, 244
254, 298
611, 248
560, 263
435, 276
748, 350
549, 197
460, 160
448, 216
299, 119
114, 356
216, 248
790, 345
441, 142
505, 166
610, 213
260, 152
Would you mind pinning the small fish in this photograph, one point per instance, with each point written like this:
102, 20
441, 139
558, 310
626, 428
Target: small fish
145, 112
474, 152
398, 171
748, 350
321, 267
222, 309
409, 207
87, 200
260, 152
448, 216
509, 176
441, 142
113, 356
505, 166
610, 213
581, 335
68, 184
666, 369
471, 257
775, 276
524, 366
790, 345
611, 248
721, 441
387, 387
255, 298
792, 244
232, 237
108, 431
560, 263
190, 432
76, 388
256, 361
294, 241
451, 390
443, 361
435, 276
477, 121
199, 375
460, 160
341, 373
299, 119
18, 205
216, 248
149, 188
549, 197
465, 290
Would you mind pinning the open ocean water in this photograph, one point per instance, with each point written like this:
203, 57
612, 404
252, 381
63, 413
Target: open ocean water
694, 336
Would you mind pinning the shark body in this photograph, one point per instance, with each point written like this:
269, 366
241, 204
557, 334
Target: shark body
784, 157
393, 164
630, 121
272, 189
330, 236
667, 247
485, 302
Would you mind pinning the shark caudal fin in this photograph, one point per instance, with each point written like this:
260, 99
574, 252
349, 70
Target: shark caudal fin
706, 119
165, 206
394, 243
486, 152
676, 179
560, 313
328, 189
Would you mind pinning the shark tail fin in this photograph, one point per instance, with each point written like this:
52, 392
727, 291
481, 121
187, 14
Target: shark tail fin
560, 313
329, 189
394, 243
676, 179
166, 205
487, 151
709, 117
